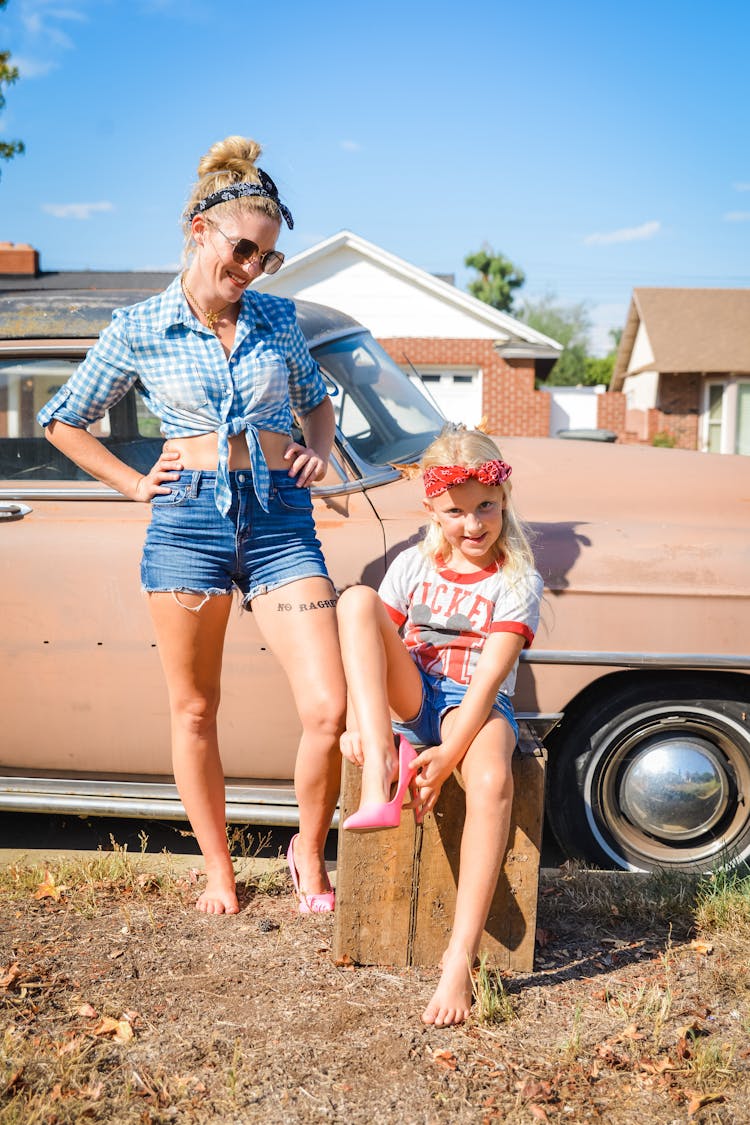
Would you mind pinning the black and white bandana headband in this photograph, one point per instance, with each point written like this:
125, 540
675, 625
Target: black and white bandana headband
266, 188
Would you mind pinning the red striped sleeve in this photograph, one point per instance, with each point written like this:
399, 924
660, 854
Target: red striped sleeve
397, 618
514, 627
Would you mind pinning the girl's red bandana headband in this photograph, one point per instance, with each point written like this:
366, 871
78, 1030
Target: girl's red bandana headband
439, 478
266, 188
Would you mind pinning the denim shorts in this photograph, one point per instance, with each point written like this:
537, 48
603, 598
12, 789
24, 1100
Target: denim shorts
191, 546
439, 696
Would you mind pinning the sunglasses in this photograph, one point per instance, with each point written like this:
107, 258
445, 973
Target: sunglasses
244, 250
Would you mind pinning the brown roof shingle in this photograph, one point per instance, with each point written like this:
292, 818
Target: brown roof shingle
690, 330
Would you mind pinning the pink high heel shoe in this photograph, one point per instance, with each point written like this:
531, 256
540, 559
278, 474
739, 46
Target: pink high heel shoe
322, 903
388, 814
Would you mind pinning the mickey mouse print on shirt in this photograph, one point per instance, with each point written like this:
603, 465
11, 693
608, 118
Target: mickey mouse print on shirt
445, 616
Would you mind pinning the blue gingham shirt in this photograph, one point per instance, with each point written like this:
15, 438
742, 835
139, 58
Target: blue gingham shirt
187, 381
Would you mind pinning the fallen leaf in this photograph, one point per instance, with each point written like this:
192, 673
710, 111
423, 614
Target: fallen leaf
697, 1101
120, 1030
48, 888
694, 1029
539, 1112
704, 947
446, 1058
630, 1032
344, 961
87, 1011
9, 976
542, 937
93, 1091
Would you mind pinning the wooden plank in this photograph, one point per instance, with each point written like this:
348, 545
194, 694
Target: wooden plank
374, 876
396, 889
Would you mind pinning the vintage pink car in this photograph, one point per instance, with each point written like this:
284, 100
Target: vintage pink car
638, 677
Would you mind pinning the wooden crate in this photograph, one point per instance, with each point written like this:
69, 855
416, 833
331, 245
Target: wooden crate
396, 889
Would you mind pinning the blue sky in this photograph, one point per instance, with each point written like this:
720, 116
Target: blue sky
600, 146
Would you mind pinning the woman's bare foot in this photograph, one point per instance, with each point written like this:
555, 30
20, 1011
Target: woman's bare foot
311, 869
220, 895
451, 1001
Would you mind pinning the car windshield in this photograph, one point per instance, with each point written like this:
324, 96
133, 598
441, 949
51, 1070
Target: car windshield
381, 413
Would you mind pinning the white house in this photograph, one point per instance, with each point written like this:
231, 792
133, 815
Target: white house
476, 361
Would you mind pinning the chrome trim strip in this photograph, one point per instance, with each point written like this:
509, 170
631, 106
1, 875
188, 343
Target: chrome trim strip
272, 805
36, 347
274, 815
35, 493
700, 660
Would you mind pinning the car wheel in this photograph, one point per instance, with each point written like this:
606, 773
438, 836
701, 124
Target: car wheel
654, 775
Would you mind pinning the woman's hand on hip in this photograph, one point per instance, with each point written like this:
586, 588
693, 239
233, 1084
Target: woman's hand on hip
154, 482
305, 464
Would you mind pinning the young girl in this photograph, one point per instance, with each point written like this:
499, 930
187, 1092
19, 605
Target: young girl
432, 658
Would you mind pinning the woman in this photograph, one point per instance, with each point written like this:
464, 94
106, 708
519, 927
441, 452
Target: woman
221, 366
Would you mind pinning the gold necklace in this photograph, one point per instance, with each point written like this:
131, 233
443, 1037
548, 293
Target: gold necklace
209, 316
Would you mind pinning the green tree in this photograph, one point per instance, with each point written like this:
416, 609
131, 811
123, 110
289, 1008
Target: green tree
570, 326
599, 369
498, 278
8, 75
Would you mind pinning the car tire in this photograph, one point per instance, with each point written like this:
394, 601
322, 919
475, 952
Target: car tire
654, 773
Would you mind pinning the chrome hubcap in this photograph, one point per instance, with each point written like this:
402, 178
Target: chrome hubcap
675, 789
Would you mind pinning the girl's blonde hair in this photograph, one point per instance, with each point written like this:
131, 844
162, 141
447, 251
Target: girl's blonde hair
456, 445
230, 161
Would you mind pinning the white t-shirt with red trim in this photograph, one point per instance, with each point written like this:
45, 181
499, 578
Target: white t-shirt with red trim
445, 617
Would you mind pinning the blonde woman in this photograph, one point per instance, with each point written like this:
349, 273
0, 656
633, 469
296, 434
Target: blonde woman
431, 658
222, 367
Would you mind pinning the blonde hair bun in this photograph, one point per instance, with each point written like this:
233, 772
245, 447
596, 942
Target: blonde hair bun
233, 154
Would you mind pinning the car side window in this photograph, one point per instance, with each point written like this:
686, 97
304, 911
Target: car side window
26, 384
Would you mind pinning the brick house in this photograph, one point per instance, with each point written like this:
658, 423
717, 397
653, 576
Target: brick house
684, 367
477, 362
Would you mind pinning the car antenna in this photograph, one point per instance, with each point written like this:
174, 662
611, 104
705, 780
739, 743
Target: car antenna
428, 393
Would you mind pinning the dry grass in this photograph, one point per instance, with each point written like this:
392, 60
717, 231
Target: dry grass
119, 1003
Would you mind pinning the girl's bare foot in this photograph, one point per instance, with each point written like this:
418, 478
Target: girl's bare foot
451, 1001
378, 775
220, 896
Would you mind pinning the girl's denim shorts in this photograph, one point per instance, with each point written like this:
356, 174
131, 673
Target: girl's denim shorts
191, 546
440, 695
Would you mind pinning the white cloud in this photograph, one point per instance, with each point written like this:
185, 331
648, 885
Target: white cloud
744, 186
350, 146
626, 234
33, 68
44, 37
76, 210
737, 217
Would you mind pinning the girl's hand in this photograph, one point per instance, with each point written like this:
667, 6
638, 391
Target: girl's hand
432, 767
153, 483
306, 465
351, 747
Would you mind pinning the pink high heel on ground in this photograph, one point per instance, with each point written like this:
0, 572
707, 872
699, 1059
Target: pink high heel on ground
388, 814
322, 903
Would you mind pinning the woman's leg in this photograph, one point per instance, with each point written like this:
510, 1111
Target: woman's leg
380, 675
304, 639
190, 643
488, 780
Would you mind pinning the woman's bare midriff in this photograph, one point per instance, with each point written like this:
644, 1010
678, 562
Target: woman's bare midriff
202, 451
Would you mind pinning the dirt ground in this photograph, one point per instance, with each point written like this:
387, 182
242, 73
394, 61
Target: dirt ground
118, 1002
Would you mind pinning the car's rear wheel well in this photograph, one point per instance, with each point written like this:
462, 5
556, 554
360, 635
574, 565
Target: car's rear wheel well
671, 681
